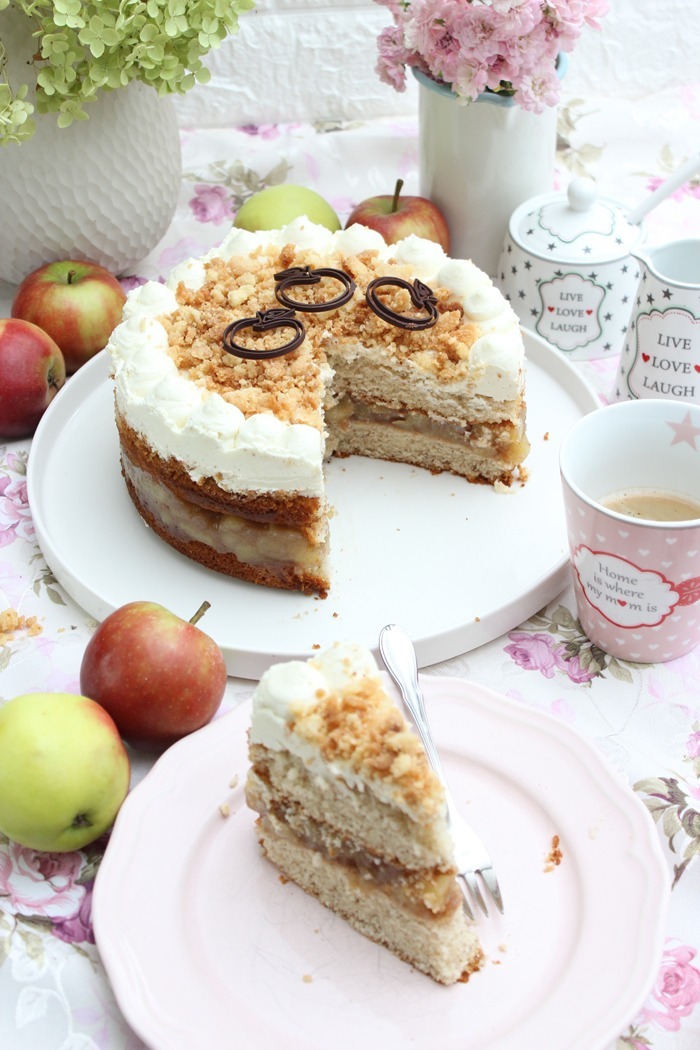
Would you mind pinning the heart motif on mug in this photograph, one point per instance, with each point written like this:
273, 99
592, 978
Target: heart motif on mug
589, 312
620, 602
551, 309
645, 358
697, 368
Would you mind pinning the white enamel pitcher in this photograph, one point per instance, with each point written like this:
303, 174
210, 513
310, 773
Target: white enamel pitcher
661, 353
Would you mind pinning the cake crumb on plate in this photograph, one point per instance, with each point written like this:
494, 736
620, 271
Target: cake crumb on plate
555, 855
12, 621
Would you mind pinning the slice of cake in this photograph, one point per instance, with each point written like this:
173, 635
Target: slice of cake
228, 399
351, 810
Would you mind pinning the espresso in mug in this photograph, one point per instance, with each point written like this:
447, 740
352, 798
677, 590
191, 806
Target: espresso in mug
652, 504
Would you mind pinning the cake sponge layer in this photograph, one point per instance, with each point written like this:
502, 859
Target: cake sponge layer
446, 949
383, 830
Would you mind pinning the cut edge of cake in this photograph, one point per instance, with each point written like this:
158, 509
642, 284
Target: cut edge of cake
350, 809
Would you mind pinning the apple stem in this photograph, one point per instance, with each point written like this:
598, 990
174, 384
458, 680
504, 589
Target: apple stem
397, 194
70, 276
200, 612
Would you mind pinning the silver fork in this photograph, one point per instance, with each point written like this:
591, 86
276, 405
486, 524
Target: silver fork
471, 855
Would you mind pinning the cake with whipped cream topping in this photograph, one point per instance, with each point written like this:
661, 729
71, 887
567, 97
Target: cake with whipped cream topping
223, 447
350, 809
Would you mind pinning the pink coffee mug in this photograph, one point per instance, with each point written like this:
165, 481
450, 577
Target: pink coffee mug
636, 580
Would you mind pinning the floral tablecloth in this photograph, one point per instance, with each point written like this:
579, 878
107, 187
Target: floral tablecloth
645, 720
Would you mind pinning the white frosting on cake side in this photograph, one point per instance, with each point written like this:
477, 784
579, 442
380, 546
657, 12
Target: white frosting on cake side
210, 437
287, 691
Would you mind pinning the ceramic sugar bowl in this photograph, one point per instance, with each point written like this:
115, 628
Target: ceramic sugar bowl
567, 271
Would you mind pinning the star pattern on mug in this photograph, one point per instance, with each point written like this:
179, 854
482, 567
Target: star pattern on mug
521, 283
685, 432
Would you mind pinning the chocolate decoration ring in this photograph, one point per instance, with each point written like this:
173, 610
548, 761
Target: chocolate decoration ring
265, 321
422, 297
305, 275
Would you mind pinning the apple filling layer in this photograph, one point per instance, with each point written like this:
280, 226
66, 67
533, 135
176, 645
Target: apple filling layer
425, 895
279, 550
421, 891
500, 440
481, 452
443, 946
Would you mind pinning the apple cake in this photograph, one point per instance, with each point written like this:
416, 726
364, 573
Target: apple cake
237, 379
350, 809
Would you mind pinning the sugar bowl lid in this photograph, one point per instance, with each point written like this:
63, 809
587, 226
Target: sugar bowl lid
577, 226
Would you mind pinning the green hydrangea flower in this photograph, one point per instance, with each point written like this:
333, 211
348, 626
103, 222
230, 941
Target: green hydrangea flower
84, 48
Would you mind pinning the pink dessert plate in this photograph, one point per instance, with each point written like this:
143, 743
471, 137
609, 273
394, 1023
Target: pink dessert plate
464, 563
205, 946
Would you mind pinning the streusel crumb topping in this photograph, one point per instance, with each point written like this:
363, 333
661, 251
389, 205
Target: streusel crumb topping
291, 386
364, 729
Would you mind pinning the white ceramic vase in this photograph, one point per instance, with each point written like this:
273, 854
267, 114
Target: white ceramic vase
479, 161
103, 189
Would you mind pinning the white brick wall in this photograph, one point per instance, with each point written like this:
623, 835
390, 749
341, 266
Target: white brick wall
314, 60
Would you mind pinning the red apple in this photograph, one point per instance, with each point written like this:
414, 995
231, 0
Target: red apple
79, 304
158, 676
396, 217
32, 371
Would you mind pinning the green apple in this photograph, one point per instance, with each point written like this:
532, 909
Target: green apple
64, 771
275, 206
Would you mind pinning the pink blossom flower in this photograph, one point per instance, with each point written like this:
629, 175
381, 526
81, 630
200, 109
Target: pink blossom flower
211, 204
477, 46
572, 666
676, 992
540, 652
688, 189
537, 92
263, 131
393, 57
185, 248
129, 283
14, 509
693, 745
533, 652
43, 884
562, 710
14, 463
78, 928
